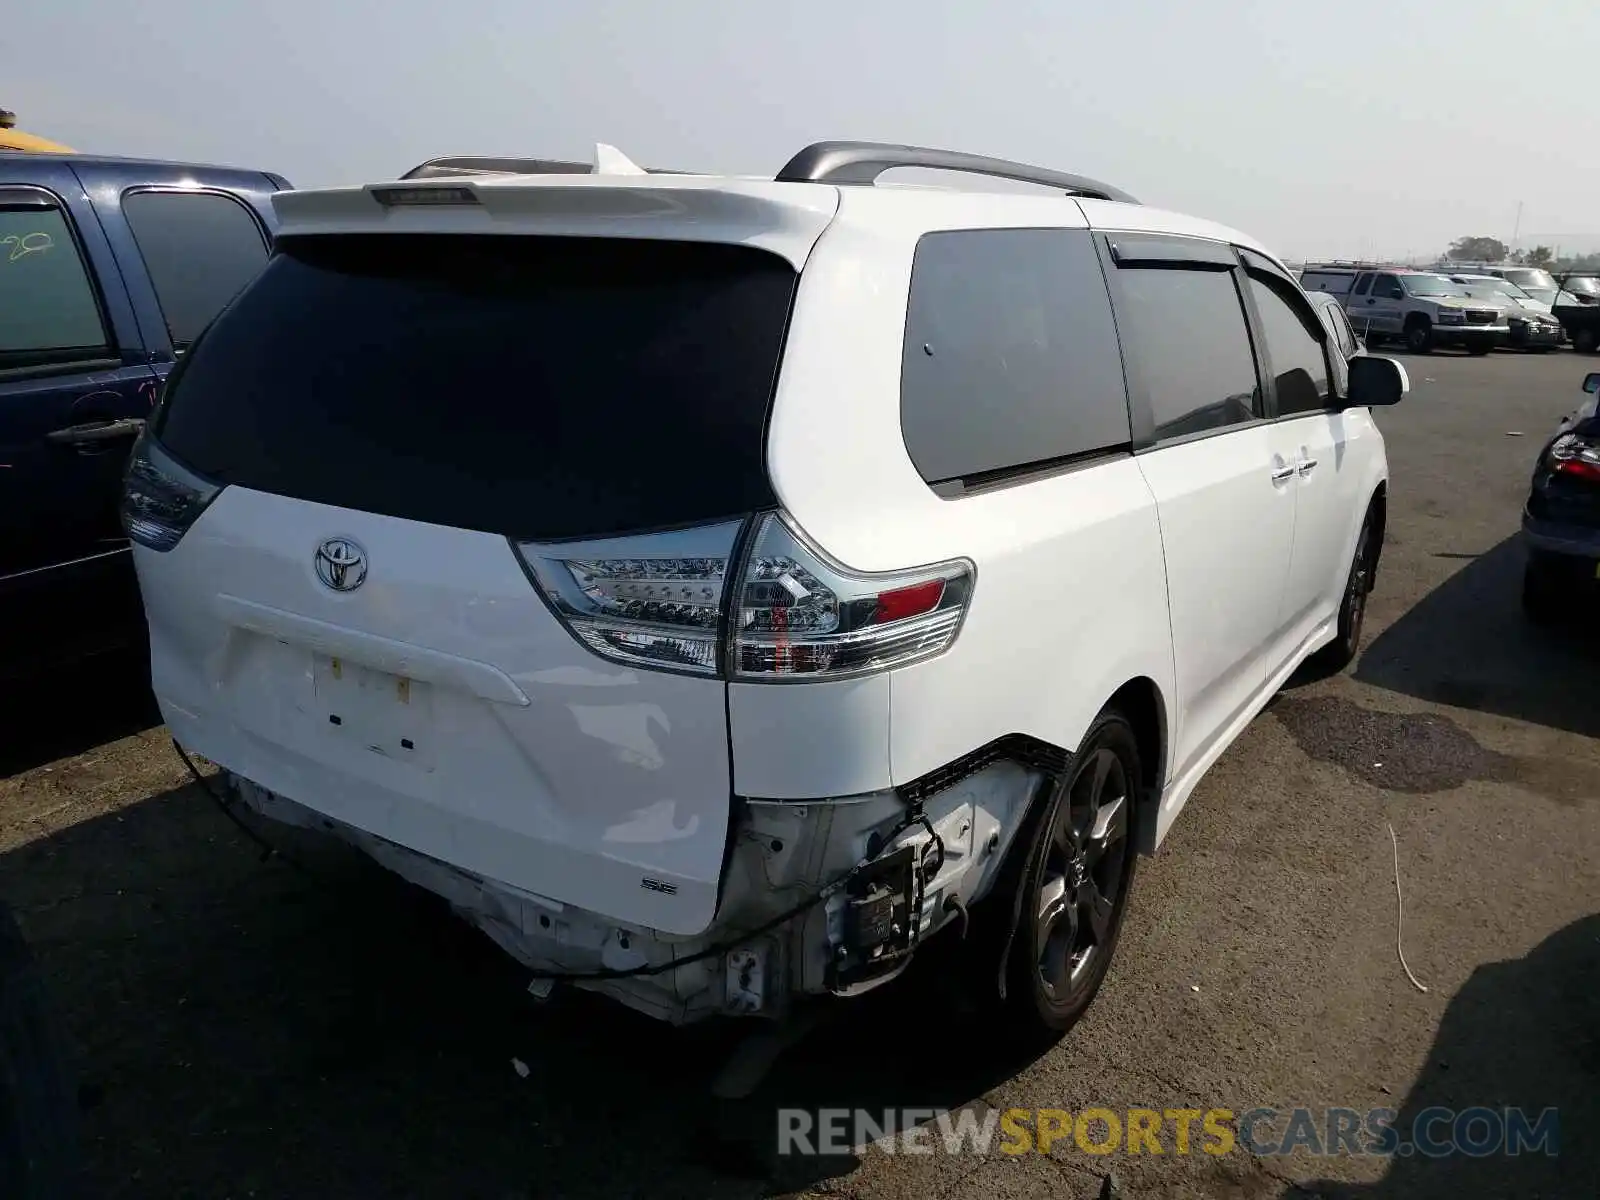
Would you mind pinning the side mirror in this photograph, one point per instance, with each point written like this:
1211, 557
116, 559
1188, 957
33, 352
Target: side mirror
1591, 382
1376, 382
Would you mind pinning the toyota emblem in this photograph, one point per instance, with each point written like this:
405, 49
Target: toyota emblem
341, 564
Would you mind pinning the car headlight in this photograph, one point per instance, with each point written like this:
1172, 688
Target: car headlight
1451, 316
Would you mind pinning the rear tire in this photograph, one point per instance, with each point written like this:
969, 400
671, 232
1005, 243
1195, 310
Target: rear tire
1583, 340
1341, 652
1077, 877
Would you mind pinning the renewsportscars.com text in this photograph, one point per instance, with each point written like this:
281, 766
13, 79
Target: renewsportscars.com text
1267, 1132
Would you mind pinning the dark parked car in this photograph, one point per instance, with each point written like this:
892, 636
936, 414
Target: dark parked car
1578, 310
109, 268
1583, 286
1561, 521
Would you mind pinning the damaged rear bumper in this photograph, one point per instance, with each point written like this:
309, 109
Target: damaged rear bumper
889, 877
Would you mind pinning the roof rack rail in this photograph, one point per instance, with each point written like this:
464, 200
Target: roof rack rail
449, 167
863, 162
1359, 264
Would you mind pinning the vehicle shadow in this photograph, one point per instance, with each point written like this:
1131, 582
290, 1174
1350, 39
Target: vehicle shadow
74, 709
1519, 1034
244, 1027
1467, 644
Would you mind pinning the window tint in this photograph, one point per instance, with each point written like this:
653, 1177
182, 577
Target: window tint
1388, 288
537, 387
48, 311
1185, 334
1364, 286
1341, 346
200, 249
1294, 348
1010, 353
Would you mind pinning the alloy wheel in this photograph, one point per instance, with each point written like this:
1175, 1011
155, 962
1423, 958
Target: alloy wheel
1083, 874
1356, 590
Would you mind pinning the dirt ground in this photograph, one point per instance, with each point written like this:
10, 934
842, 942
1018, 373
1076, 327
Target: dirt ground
246, 1029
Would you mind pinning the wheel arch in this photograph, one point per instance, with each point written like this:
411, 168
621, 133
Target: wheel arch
1378, 512
1141, 702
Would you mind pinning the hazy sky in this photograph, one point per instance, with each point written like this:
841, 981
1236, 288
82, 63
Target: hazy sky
1325, 127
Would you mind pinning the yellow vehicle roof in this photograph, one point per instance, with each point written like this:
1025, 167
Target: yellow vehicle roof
15, 139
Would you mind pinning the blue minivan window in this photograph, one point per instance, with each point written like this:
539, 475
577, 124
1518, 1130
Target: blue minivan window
48, 312
200, 248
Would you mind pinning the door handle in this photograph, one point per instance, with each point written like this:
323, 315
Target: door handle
1283, 474
95, 432
1305, 466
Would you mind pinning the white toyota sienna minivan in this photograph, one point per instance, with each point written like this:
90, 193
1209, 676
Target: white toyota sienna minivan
715, 587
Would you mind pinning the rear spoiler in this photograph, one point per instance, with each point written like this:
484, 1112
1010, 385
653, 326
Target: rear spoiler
784, 218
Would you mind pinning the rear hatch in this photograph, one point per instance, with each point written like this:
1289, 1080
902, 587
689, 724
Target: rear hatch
350, 622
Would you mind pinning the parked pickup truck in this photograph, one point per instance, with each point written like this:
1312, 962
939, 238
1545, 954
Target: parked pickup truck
1420, 308
109, 269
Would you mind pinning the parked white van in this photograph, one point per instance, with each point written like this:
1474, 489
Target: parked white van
715, 587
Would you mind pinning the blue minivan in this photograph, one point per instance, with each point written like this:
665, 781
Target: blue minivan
109, 269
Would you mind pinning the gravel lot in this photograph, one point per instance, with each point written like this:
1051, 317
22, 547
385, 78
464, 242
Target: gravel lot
246, 1030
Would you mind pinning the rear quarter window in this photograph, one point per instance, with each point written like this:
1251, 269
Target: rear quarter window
1010, 358
200, 249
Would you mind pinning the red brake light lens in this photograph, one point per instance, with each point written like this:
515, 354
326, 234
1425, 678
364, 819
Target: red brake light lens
905, 602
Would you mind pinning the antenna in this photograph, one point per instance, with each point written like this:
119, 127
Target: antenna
608, 160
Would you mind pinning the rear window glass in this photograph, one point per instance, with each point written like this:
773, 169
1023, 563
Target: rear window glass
200, 249
536, 387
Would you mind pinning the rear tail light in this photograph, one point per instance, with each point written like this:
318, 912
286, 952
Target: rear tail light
800, 616
1575, 457
161, 498
654, 600
792, 614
